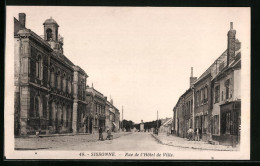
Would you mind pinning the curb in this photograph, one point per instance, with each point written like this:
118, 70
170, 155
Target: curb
158, 140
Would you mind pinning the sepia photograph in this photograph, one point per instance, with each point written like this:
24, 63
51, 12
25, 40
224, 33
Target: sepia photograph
165, 83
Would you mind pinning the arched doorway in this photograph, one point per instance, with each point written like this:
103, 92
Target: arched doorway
49, 34
64, 116
68, 125
37, 113
58, 118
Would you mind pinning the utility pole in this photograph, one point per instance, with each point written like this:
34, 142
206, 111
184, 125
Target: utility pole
157, 119
157, 130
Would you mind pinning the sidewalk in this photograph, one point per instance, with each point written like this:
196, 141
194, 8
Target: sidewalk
58, 140
172, 140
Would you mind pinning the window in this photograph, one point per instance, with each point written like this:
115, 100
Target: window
201, 96
221, 66
234, 123
228, 123
191, 107
38, 67
217, 94
69, 85
34, 112
58, 80
49, 34
206, 94
227, 83
64, 83
198, 98
222, 95
52, 77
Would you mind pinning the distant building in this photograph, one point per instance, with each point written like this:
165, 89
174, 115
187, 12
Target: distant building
96, 106
112, 116
166, 125
142, 126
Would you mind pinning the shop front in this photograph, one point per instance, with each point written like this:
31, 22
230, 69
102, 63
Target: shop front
230, 114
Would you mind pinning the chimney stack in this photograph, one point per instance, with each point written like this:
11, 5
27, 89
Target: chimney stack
22, 18
192, 79
231, 44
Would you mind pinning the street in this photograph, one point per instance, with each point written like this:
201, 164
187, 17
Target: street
122, 142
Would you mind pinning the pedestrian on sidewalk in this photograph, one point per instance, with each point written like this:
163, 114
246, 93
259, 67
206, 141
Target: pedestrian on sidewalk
100, 134
197, 135
190, 133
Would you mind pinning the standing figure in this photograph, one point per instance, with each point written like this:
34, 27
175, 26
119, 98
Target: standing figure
100, 134
197, 135
190, 133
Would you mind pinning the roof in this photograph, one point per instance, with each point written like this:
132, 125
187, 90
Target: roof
166, 121
17, 26
50, 21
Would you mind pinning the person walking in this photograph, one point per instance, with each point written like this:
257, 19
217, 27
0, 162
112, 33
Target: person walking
190, 133
100, 134
197, 135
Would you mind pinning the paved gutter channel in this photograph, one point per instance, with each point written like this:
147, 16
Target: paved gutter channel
161, 142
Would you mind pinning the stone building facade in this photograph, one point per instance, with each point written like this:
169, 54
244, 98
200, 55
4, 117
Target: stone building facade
112, 117
202, 111
226, 88
96, 106
49, 88
216, 98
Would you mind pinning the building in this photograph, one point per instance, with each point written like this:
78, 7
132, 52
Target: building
166, 125
216, 98
142, 126
179, 118
112, 116
183, 112
117, 120
226, 88
202, 111
49, 88
96, 108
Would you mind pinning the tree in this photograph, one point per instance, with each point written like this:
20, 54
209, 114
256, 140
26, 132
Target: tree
128, 125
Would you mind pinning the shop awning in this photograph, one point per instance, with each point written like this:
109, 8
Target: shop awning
114, 123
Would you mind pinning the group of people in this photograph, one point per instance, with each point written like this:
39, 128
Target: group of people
194, 135
109, 135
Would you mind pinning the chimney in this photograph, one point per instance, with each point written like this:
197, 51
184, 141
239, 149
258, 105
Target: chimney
22, 18
231, 44
192, 79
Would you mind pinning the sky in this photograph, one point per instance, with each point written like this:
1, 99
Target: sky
141, 56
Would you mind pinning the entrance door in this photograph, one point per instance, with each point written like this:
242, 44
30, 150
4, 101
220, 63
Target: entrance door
178, 126
223, 123
86, 123
90, 126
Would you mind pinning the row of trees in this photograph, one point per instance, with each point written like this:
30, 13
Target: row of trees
128, 125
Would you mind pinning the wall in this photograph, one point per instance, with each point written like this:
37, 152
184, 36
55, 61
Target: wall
237, 85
